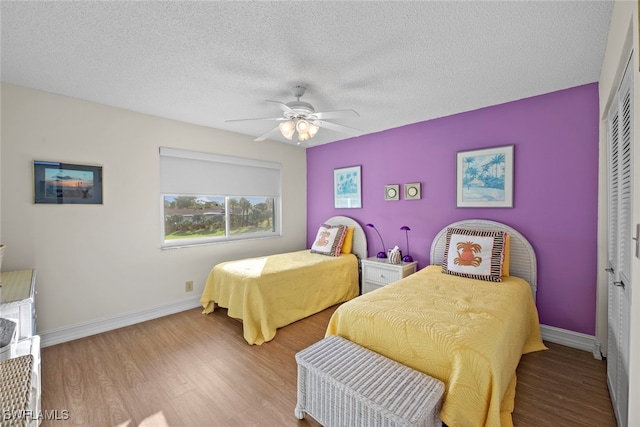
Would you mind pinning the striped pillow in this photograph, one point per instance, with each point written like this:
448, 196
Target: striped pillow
475, 254
329, 240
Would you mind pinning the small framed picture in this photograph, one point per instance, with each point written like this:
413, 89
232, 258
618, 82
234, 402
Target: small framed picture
347, 187
65, 183
392, 192
412, 191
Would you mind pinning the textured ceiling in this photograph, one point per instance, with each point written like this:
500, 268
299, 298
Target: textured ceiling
395, 63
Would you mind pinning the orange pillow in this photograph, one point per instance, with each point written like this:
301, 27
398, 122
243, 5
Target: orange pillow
348, 241
507, 257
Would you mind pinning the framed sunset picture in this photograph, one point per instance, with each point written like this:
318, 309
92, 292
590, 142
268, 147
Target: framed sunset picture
65, 183
485, 178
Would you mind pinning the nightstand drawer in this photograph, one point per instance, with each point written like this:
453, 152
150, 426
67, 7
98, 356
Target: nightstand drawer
381, 275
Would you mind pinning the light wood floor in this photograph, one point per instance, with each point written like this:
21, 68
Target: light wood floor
189, 369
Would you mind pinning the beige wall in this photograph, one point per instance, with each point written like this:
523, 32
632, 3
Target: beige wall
622, 39
100, 261
0, 169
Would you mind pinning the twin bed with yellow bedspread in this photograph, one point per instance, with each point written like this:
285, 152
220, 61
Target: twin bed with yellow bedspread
273, 291
468, 333
270, 292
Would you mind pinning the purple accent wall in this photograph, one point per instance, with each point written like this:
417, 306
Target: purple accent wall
555, 189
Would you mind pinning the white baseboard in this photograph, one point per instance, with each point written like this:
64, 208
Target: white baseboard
571, 339
81, 330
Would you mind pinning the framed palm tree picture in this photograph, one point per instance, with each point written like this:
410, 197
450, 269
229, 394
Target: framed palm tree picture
485, 178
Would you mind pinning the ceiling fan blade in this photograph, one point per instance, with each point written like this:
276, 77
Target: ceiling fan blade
338, 114
267, 135
337, 127
284, 107
277, 119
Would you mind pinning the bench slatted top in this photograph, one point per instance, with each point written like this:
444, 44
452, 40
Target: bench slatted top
384, 383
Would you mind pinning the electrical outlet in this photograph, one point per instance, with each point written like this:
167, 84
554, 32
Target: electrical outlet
188, 286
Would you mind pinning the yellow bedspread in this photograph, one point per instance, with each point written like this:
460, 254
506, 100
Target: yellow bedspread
273, 291
468, 333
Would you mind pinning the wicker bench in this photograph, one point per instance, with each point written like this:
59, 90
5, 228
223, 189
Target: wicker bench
15, 399
341, 383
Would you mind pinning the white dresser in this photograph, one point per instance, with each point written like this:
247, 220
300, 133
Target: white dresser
378, 272
20, 375
17, 300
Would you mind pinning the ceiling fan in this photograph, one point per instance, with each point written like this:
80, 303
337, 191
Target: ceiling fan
299, 116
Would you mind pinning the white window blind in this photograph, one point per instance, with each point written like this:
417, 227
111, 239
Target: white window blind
192, 172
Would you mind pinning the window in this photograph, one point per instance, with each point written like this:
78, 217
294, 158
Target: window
208, 198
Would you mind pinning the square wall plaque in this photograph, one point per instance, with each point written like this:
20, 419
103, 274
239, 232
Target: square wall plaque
412, 191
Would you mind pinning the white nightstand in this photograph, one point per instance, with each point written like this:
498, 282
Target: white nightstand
377, 272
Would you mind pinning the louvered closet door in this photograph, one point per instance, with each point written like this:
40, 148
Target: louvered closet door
613, 313
620, 137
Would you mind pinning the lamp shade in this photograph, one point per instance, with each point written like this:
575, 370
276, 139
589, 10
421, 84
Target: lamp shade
303, 136
287, 129
302, 126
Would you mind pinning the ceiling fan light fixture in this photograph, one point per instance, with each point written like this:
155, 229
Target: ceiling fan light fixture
287, 129
301, 118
